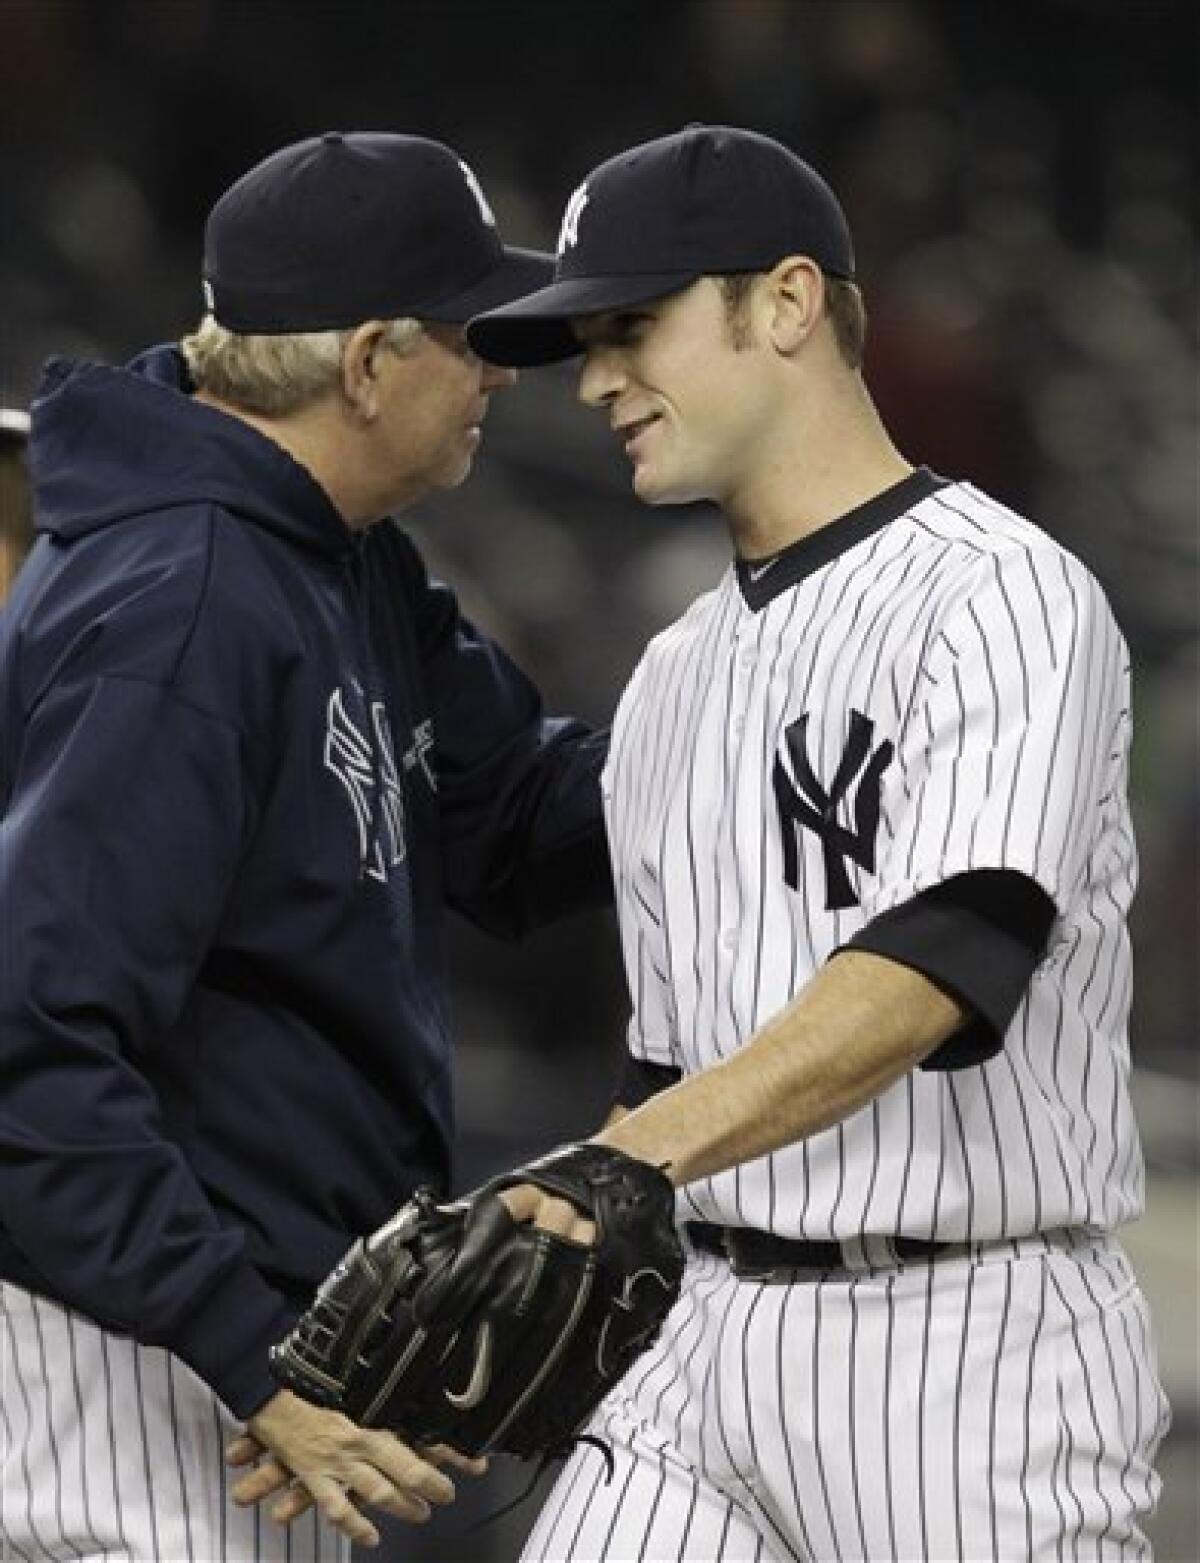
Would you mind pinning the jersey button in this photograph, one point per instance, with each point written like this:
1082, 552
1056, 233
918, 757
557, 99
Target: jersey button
729, 938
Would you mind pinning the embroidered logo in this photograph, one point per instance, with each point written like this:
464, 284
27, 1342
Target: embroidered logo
416, 756
806, 803
568, 236
624, 1333
476, 190
364, 762
480, 1381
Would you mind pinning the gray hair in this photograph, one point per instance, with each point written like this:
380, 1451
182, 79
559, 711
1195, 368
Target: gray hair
276, 375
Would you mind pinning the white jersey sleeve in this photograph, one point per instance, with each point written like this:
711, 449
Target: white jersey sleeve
1018, 734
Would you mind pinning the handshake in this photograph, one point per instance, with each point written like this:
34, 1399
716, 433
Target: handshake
455, 1324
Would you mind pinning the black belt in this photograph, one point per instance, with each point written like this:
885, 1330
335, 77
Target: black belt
756, 1255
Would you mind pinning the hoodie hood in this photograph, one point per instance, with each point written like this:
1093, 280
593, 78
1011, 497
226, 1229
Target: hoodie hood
106, 444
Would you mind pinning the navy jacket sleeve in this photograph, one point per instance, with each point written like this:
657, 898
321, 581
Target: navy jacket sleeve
122, 829
523, 838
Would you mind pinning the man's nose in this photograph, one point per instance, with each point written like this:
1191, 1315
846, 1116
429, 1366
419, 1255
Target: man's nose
601, 379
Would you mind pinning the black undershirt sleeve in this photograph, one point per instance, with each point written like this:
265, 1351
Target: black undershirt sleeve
979, 936
641, 1080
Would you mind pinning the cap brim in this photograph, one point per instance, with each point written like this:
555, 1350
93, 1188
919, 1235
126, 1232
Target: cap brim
518, 272
536, 329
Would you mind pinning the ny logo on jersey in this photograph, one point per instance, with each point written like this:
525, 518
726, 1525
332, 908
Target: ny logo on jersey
568, 235
805, 802
364, 762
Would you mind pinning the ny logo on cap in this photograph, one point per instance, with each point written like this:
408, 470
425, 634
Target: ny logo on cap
476, 190
569, 233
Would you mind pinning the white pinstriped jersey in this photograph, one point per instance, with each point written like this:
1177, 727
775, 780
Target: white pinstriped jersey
948, 693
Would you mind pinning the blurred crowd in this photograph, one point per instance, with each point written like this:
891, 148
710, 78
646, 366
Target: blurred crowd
1022, 184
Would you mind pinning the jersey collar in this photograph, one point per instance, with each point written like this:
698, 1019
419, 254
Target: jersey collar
763, 580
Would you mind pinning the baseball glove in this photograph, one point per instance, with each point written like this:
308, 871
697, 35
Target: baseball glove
455, 1324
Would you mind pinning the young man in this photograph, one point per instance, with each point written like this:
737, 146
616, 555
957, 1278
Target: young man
866, 805
251, 753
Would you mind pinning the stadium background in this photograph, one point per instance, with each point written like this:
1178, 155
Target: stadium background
1021, 178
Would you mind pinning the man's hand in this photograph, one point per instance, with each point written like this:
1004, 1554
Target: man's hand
468, 1324
312, 1456
527, 1202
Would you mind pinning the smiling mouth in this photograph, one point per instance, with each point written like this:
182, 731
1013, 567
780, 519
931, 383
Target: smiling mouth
628, 432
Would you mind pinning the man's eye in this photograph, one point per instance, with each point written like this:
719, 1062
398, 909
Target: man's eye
615, 330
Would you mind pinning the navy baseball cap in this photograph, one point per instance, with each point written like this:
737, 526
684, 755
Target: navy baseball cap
343, 228
706, 201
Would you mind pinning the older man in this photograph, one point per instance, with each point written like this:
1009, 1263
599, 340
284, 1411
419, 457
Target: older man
251, 754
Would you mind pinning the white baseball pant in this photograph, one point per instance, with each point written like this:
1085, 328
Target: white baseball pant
989, 1407
113, 1452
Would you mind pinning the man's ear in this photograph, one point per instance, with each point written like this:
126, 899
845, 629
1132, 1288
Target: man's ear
796, 290
360, 368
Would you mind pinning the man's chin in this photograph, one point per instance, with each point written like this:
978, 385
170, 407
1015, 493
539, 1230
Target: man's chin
457, 475
654, 489
648, 486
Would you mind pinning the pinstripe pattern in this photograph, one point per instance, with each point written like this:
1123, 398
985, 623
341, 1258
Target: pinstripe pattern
938, 1445
988, 657
114, 1453
998, 1406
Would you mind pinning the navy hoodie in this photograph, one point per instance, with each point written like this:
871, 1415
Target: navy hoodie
248, 758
